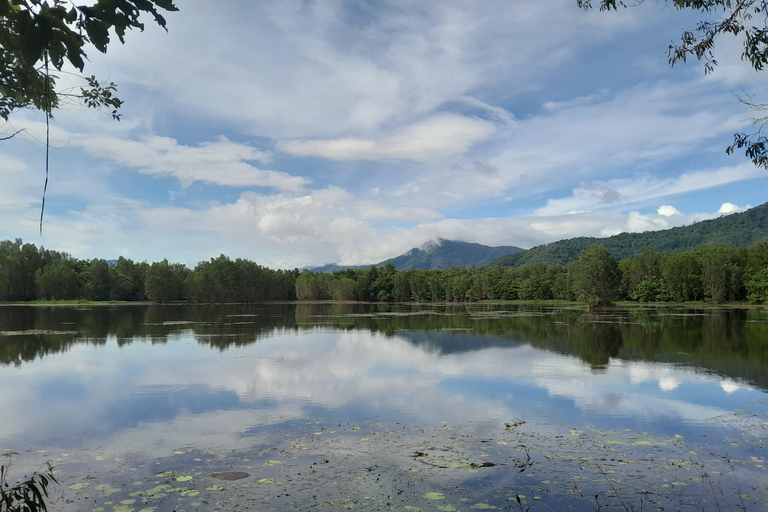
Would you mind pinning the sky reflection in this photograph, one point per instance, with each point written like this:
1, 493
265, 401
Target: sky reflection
158, 397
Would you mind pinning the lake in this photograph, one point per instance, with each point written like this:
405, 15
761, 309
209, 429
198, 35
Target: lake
388, 406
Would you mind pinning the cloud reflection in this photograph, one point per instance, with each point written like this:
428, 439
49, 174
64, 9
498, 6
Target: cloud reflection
159, 398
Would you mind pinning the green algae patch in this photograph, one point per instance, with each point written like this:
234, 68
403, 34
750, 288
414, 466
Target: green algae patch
434, 496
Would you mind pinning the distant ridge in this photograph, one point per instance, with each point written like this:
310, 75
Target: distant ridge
438, 255
737, 229
444, 254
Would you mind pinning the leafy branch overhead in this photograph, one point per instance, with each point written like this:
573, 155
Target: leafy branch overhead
747, 19
38, 34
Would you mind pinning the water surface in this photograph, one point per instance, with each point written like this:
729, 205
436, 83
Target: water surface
161, 386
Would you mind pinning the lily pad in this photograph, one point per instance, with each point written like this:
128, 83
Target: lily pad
230, 475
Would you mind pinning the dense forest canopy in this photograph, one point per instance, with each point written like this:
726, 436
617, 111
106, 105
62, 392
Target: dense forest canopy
737, 229
717, 273
30, 273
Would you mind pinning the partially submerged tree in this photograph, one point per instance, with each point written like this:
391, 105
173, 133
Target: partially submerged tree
596, 277
745, 18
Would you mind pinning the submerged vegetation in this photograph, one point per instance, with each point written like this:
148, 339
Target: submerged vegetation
371, 465
715, 273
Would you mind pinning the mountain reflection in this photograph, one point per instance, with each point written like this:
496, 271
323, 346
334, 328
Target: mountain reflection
731, 342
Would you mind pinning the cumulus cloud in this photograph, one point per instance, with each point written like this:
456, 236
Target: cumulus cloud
476, 111
666, 210
435, 138
728, 208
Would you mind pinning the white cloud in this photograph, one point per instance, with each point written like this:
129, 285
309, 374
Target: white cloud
287, 373
219, 162
645, 188
471, 110
728, 208
666, 210
436, 138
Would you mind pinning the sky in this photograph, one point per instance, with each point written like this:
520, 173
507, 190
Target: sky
302, 132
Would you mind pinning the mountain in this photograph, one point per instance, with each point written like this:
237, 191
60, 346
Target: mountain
441, 254
449, 253
737, 229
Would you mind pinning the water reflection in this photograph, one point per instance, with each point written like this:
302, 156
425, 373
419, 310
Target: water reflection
162, 377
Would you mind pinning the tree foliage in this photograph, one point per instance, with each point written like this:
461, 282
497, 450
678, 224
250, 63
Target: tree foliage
717, 273
747, 19
28, 495
596, 277
37, 35
743, 229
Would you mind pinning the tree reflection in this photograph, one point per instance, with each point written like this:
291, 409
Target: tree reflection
731, 342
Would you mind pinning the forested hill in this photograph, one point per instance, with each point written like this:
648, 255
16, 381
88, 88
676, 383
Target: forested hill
737, 229
439, 255
445, 254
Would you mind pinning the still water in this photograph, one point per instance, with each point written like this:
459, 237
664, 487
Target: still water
83, 386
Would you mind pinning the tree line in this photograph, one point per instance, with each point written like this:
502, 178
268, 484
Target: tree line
30, 273
716, 273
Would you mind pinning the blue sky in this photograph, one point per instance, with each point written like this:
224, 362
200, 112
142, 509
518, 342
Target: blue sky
299, 133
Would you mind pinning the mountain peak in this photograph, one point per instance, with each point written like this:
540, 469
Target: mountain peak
444, 254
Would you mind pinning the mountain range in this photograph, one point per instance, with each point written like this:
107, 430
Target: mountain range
437, 255
737, 229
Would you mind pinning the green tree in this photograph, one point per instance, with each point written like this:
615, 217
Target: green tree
645, 278
96, 280
165, 281
313, 286
596, 276
127, 280
721, 273
381, 288
682, 274
757, 287
40, 35
343, 288
745, 18
56, 281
